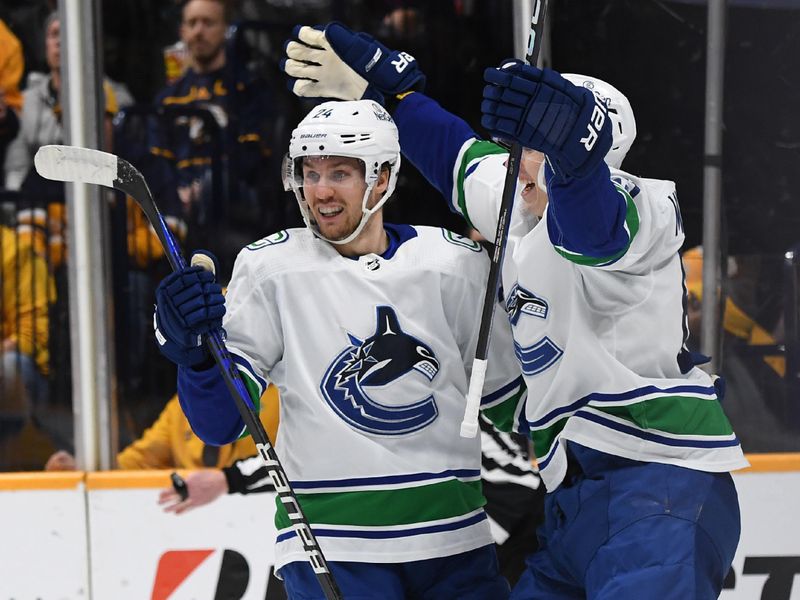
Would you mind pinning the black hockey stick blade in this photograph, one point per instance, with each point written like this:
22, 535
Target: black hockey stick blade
469, 426
84, 165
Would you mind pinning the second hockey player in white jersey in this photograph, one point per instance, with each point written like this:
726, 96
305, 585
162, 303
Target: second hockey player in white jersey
632, 442
368, 329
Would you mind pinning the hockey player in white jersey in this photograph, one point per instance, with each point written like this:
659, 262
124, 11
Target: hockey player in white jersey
631, 440
368, 329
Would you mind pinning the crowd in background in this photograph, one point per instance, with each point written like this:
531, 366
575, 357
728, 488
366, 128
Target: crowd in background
196, 101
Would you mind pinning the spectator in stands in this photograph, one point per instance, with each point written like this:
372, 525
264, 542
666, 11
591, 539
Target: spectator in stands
170, 443
244, 475
736, 321
752, 365
27, 290
40, 120
215, 111
40, 214
11, 66
40, 124
25, 19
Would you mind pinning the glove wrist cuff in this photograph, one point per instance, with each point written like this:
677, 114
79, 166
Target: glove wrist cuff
393, 101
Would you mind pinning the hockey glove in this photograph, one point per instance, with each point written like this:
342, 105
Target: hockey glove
543, 111
189, 303
339, 63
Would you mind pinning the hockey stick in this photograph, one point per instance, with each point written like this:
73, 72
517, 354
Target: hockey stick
469, 425
74, 164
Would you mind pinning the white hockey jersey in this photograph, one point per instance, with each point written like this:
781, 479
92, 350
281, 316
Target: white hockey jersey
372, 358
598, 340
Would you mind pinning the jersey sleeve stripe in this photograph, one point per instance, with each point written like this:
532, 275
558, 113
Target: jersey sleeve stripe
631, 228
470, 155
254, 382
255, 386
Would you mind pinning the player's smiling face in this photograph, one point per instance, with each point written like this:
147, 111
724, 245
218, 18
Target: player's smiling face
334, 187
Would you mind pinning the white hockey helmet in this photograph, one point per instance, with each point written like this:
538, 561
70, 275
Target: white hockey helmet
620, 111
360, 129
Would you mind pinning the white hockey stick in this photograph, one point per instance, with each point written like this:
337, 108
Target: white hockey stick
74, 164
469, 425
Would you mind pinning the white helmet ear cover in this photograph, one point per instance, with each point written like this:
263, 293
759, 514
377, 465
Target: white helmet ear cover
360, 129
620, 112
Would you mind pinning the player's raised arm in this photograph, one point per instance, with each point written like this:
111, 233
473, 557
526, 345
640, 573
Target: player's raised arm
573, 126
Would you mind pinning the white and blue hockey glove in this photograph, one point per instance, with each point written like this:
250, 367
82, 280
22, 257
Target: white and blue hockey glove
338, 63
189, 303
541, 110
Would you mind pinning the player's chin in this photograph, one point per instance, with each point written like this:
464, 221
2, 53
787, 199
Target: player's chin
337, 234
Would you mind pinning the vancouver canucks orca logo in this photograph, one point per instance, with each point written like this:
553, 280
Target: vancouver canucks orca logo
378, 361
522, 302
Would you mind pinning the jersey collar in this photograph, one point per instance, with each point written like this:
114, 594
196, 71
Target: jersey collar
398, 235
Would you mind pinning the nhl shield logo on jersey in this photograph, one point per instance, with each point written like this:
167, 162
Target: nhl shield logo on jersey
522, 302
377, 362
